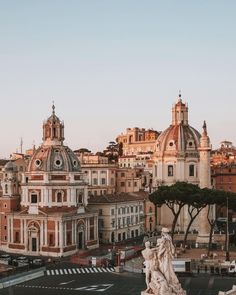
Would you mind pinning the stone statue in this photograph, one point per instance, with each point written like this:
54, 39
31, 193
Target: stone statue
160, 276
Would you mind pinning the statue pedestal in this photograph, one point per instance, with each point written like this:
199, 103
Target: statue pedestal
145, 293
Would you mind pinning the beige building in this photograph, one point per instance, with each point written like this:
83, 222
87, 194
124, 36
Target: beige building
121, 216
101, 178
100, 175
137, 141
129, 180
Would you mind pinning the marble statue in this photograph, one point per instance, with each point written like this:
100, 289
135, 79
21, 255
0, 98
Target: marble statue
160, 276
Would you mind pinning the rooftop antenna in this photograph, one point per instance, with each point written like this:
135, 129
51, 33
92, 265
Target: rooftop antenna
21, 145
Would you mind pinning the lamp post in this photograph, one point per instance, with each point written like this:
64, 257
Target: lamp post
227, 231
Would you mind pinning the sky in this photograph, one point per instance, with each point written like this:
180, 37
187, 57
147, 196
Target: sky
110, 64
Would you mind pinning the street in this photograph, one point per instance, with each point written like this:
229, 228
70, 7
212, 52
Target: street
63, 280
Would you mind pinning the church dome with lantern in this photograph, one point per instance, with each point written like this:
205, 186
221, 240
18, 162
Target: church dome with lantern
179, 137
52, 155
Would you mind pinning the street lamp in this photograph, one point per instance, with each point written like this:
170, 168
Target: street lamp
227, 231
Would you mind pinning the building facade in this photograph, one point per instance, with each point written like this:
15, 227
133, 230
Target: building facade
121, 216
137, 141
177, 158
50, 216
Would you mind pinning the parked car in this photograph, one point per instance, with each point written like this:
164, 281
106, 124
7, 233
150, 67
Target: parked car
5, 259
38, 262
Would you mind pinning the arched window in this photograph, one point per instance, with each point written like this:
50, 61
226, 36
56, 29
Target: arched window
59, 197
191, 170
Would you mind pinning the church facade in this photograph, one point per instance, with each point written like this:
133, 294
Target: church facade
180, 156
46, 213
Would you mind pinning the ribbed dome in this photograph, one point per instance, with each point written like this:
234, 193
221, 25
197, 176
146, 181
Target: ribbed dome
179, 138
54, 158
10, 167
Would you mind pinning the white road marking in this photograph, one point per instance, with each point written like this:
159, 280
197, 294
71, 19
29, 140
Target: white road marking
69, 270
57, 272
91, 270
83, 271
78, 270
61, 271
74, 270
65, 271
52, 271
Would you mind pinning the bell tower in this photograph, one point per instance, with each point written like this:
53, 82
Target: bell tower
53, 130
10, 200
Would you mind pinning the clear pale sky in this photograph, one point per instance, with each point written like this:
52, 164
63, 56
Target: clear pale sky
112, 64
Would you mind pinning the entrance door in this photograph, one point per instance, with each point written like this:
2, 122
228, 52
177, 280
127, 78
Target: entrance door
80, 240
34, 244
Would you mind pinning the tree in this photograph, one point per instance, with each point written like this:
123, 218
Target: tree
174, 197
197, 200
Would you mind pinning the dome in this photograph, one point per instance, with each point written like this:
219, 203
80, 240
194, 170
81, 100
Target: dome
48, 158
178, 138
10, 167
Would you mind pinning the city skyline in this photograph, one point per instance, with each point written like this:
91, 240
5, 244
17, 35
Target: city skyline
109, 66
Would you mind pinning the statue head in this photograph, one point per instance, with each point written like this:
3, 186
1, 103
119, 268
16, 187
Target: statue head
147, 244
165, 230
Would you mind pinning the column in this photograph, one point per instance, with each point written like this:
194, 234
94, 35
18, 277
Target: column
56, 233
41, 235
99, 177
108, 182
65, 240
72, 231
21, 231
60, 234
50, 198
11, 224
46, 233
8, 229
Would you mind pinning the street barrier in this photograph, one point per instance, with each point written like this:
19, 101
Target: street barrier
22, 277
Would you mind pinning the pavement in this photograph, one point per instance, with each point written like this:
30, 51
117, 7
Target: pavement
109, 282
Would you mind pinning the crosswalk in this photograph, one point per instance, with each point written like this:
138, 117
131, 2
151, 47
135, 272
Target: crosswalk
78, 270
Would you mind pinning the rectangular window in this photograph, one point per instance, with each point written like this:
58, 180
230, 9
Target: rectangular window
103, 181
100, 211
129, 184
191, 170
170, 170
122, 174
68, 237
112, 212
95, 181
91, 233
122, 184
100, 223
34, 198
